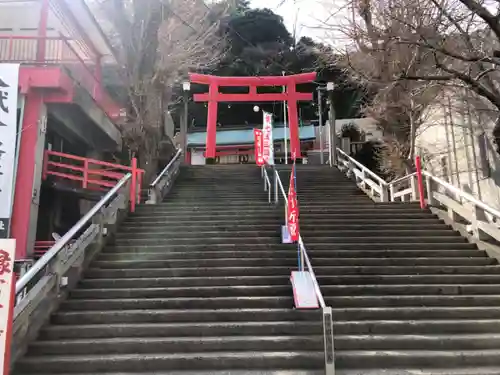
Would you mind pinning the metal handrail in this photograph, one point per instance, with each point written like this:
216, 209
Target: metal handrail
267, 183
64, 240
303, 250
373, 174
165, 170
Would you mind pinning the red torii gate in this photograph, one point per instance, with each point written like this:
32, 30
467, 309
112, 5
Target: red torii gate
214, 97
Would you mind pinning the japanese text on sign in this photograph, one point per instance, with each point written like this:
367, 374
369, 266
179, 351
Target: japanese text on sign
259, 160
293, 210
7, 297
9, 82
268, 143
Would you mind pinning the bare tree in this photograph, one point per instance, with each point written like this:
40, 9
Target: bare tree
158, 42
403, 48
378, 58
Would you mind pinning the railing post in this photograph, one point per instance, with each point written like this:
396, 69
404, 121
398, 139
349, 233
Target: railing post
139, 183
276, 196
414, 188
479, 216
421, 185
328, 341
384, 193
133, 185
429, 188
85, 174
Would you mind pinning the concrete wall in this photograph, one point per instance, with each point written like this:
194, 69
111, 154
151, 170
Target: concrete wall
456, 144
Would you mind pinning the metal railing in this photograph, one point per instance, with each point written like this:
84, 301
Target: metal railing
66, 52
41, 288
303, 251
92, 173
461, 206
164, 181
267, 183
327, 321
365, 178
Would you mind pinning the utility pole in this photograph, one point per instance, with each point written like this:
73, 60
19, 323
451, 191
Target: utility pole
320, 114
333, 131
285, 136
186, 87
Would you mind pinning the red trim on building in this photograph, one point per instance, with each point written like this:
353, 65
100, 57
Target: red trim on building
26, 173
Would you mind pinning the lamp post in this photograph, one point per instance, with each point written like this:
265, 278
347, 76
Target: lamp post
186, 88
332, 131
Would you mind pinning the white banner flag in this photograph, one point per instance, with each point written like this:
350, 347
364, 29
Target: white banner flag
267, 135
7, 297
9, 82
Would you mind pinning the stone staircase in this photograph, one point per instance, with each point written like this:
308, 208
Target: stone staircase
409, 294
196, 285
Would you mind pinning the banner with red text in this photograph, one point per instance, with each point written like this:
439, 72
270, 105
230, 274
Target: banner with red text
268, 142
293, 209
259, 160
7, 297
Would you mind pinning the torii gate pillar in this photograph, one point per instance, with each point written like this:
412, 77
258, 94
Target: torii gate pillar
291, 96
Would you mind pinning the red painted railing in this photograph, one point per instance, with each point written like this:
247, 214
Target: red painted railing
60, 51
93, 174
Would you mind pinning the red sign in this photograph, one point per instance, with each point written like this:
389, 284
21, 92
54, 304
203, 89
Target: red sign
293, 209
259, 159
7, 297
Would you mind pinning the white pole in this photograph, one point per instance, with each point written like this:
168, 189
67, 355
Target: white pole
320, 113
285, 136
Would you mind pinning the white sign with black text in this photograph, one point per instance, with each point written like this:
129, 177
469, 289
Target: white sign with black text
9, 82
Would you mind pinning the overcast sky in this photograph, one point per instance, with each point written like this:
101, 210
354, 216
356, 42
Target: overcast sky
295, 12
308, 17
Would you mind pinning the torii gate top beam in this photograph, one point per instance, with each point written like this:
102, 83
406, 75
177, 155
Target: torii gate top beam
205, 79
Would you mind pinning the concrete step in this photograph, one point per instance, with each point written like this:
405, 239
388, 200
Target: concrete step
269, 207
164, 248
182, 315
271, 225
421, 342
279, 302
275, 239
169, 282
417, 327
411, 358
413, 300
424, 371
285, 271
317, 234
233, 302
209, 372
374, 217
285, 290
147, 345
190, 291
188, 329
163, 361
275, 315
291, 262
288, 254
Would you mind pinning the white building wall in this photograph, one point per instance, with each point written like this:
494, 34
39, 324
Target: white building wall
456, 144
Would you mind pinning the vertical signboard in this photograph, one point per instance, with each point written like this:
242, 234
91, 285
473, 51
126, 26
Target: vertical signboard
293, 209
259, 160
9, 82
7, 287
267, 135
